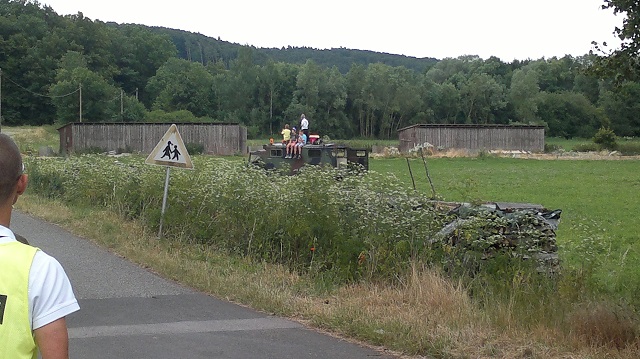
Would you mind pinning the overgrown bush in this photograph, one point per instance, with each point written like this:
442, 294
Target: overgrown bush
45, 180
586, 147
605, 138
550, 148
629, 148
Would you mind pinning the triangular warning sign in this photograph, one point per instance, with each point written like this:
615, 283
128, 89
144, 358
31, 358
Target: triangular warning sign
170, 151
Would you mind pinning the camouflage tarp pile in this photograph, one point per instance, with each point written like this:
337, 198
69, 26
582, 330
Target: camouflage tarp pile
521, 230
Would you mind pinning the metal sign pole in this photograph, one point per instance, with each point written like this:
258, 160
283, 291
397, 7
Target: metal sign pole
164, 201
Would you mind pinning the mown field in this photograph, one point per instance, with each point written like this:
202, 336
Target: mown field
242, 242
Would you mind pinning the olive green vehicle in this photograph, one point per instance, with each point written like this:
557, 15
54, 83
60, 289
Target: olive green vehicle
272, 156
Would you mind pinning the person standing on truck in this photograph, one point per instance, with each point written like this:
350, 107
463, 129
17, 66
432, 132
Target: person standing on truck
304, 125
35, 293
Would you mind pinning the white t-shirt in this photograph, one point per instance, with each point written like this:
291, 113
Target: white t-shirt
50, 293
304, 124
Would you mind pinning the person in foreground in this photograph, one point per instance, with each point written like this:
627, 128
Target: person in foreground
35, 292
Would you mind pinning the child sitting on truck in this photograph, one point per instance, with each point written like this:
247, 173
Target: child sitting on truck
292, 143
302, 140
286, 134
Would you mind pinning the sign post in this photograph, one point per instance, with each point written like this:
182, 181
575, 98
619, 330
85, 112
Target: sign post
169, 152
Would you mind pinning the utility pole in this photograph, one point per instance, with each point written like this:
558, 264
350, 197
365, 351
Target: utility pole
80, 101
121, 105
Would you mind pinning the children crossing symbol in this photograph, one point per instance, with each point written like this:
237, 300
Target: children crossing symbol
170, 151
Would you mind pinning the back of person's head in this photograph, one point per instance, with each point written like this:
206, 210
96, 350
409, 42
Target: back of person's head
10, 166
286, 126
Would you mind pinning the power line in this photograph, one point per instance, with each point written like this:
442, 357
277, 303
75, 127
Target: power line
78, 90
39, 94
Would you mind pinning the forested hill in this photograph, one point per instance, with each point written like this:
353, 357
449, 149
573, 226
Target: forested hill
59, 69
343, 58
200, 48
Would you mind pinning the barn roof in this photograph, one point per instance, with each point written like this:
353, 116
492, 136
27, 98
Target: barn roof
466, 125
148, 123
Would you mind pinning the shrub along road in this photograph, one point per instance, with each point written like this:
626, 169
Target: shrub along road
129, 312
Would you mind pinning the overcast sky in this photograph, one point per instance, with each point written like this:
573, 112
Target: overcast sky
508, 29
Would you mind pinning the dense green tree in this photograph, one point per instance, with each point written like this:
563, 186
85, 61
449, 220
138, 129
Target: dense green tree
377, 94
436, 75
390, 98
355, 106
343, 58
495, 68
330, 115
83, 95
448, 103
452, 70
621, 64
28, 61
138, 54
585, 82
94, 40
237, 95
182, 85
306, 96
405, 102
622, 108
440, 102
481, 96
523, 94
569, 114
276, 83
555, 75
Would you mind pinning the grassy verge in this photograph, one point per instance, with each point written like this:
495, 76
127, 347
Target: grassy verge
428, 315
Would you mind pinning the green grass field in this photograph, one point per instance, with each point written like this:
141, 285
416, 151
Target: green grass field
600, 201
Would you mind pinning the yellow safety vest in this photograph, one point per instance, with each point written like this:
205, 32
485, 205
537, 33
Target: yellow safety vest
16, 336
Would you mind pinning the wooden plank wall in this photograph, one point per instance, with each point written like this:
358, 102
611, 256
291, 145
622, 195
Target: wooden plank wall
217, 139
474, 138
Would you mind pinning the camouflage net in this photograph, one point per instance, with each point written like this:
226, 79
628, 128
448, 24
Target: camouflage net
490, 230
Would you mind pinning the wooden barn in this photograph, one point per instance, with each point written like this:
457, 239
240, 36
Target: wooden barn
216, 138
473, 137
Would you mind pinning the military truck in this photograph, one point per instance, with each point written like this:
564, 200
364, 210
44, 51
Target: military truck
273, 156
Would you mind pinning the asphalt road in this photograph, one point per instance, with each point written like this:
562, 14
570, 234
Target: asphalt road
129, 312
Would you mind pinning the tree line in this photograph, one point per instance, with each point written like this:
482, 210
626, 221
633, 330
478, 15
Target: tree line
59, 69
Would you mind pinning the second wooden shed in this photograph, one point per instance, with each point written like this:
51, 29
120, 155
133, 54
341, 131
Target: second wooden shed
473, 137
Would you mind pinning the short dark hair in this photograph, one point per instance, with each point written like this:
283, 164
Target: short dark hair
10, 166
